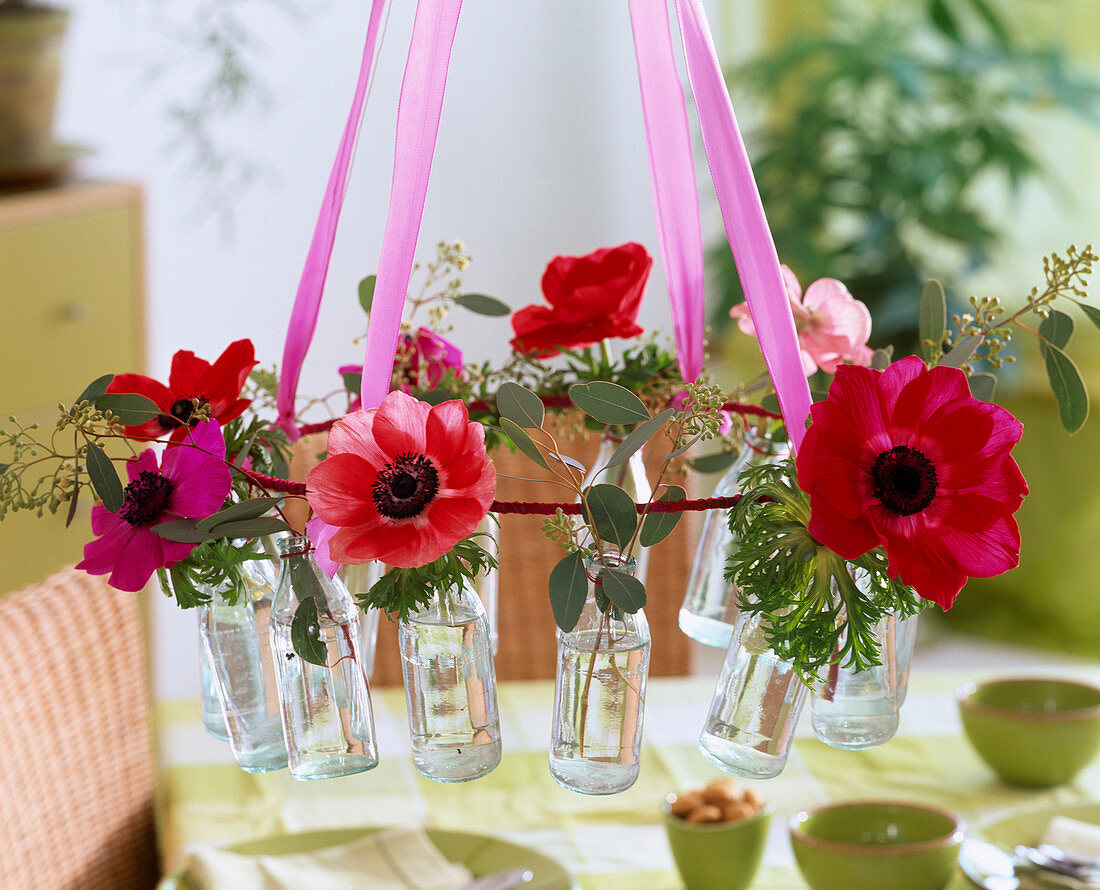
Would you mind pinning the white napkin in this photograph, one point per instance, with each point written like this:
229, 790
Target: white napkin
401, 859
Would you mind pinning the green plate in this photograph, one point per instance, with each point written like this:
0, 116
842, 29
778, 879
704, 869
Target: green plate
480, 853
986, 867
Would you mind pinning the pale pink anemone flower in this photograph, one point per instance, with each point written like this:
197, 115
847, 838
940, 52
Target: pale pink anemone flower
403, 483
190, 483
832, 325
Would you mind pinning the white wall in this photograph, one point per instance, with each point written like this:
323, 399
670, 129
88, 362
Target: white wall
541, 152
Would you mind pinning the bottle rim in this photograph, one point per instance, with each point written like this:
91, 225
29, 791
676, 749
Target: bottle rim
293, 545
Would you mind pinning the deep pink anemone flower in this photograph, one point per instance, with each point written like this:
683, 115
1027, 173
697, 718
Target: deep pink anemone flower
190, 483
909, 459
832, 325
404, 482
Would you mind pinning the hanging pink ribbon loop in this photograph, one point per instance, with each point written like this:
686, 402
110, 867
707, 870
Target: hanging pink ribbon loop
311, 286
418, 113
743, 215
672, 177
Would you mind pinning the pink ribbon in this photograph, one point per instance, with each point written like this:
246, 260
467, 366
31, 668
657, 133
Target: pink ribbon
743, 215
418, 113
672, 177
311, 286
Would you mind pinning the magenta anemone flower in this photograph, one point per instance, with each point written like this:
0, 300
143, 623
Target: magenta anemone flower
404, 482
191, 482
909, 459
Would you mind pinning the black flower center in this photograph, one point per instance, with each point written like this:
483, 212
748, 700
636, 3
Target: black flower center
405, 487
144, 499
180, 413
905, 480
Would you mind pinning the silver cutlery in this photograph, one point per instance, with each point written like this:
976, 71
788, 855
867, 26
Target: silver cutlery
1048, 857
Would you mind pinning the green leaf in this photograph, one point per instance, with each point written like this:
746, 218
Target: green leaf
612, 513
623, 589
880, 359
983, 386
567, 460
1057, 328
523, 442
305, 633
521, 406
962, 352
4, 468
130, 408
72, 505
944, 19
249, 509
608, 402
366, 292
993, 22
95, 389
251, 528
568, 590
1069, 389
436, 396
713, 463
1092, 313
483, 305
182, 530
638, 437
353, 381
104, 478
658, 526
933, 316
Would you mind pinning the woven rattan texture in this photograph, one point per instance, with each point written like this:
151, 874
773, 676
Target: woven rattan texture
76, 757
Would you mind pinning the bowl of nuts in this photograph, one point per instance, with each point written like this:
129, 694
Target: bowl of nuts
717, 835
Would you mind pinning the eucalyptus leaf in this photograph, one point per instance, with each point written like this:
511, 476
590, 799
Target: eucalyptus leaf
962, 352
95, 389
251, 528
568, 590
249, 509
523, 442
73, 501
608, 402
683, 449
713, 463
521, 406
944, 19
658, 526
436, 396
366, 292
305, 633
1092, 313
933, 315
983, 386
182, 530
1069, 389
104, 478
130, 408
353, 381
1057, 329
612, 512
623, 589
483, 305
638, 436
568, 461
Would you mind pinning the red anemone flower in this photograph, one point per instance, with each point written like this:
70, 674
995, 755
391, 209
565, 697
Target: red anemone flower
909, 459
591, 298
218, 385
404, 482
190, 483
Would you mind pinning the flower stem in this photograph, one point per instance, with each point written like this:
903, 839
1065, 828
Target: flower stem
588, 678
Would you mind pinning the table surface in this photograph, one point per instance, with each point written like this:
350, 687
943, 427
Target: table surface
609, 843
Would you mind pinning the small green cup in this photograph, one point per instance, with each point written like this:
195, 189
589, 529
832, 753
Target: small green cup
872, 845
1038, 732
719, 855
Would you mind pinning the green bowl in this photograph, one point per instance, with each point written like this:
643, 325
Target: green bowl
1037, 732
718, 856
871, 845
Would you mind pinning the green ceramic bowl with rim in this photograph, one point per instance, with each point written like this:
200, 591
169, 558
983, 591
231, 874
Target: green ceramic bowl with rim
1032, 731
872, 845
718, 855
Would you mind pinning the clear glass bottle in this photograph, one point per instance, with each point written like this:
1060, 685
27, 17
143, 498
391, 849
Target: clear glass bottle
905, 639
213, 717
630, 476
756, 705
710, 603
242, 675
603, 665
450, 688
487, 584
327, 715
853, 709
358, 579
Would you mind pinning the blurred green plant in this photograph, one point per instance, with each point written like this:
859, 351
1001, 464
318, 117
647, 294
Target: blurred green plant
882, 138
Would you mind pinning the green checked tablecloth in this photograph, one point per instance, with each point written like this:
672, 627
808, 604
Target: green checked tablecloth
609, 843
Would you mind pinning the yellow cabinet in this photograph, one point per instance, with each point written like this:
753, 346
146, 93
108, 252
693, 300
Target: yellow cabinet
71, 310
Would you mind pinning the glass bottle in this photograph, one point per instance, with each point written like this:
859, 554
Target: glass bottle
905, 638
487, 584
710, 603
450, 688
327, 715
630, 476
603, 664
358, 579
242, 675
853, 709
213, 717
756, 705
